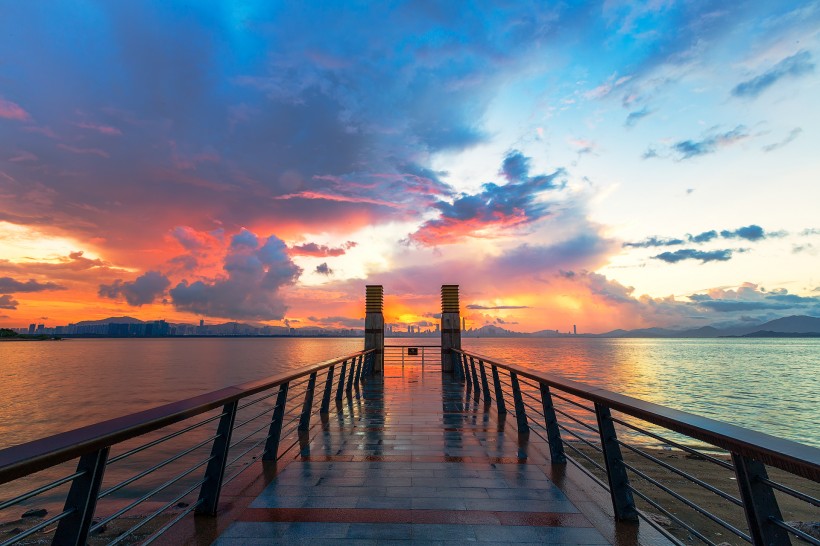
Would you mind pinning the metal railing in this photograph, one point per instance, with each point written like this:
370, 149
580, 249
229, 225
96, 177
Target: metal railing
202, 444
412, 355
587, 426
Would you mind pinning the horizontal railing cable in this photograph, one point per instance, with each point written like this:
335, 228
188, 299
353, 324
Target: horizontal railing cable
42, 525
789, 491
796, 532
683, 474
148, 495
694, 506
42, 489
165, 438
154, 468
693, 451
166, 506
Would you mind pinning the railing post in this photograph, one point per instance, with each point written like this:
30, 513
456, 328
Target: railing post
362, 361
304, 419
484, 384
450, 327
340, 388
462, 362
520, 411
352, 373
374, 325
210, 490
475, 376
622, 501
500, 405
557, 454
328, 391
82, 499
759, 502
275, 431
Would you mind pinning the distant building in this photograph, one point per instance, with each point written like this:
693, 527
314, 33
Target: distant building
574, 330
464, 323
41, 328
31, 328
201, 323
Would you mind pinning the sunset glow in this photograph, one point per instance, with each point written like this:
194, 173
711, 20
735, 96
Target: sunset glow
606, 165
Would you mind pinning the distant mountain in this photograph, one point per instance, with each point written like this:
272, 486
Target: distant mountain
797, 324
110, 320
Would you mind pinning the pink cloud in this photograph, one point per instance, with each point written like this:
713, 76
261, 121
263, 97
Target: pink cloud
76, 150
102, 129
11, 110
340, 198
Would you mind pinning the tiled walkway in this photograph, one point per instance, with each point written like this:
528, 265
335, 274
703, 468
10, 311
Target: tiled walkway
413, 458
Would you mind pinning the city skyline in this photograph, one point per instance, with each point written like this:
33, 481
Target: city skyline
605, 164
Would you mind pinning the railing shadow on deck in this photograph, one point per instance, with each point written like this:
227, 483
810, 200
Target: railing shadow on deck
222, 432
587, 426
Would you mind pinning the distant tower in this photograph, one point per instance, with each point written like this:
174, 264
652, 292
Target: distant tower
31, 328
574, 330
464, 324
201, 323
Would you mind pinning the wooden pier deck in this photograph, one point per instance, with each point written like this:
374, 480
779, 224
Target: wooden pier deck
413, 457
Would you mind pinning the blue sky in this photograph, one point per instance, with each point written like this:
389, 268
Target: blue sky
564, 163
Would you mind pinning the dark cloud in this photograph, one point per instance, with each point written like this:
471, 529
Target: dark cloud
750, 233
323, 269
634, 117
143, 290
255, 273
654, 242
8, 302
313, 249
692, 254
494, 207
703, 237
338, 322
9, 285
687, 149
496, 307
793, 66
793, 134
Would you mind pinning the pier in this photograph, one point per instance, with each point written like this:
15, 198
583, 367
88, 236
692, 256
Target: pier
409, 444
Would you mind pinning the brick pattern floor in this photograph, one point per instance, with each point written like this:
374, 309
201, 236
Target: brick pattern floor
408, 458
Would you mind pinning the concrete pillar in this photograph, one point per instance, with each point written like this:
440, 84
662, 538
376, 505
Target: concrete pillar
374, 324
450, 325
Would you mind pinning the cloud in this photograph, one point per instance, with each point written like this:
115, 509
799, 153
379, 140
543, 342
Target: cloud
687, 149
7, 302
703, 237
313, 249
337, 322
496, 307
651, 242
9, 285
793, 66
83, 151
254, 273
141, 291
192, 239
323, 269
634, 117
750, 233
692, 254
102, 129
750, 297
793, 134
493, 209
11, 110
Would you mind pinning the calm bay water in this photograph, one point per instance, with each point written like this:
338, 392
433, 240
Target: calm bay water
771, 385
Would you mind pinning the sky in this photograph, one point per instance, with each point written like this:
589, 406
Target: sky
606, 164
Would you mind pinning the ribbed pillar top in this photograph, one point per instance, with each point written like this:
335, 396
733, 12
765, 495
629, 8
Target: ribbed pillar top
374, 298
449, 298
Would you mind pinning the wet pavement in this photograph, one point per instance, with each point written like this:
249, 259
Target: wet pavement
414, 457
